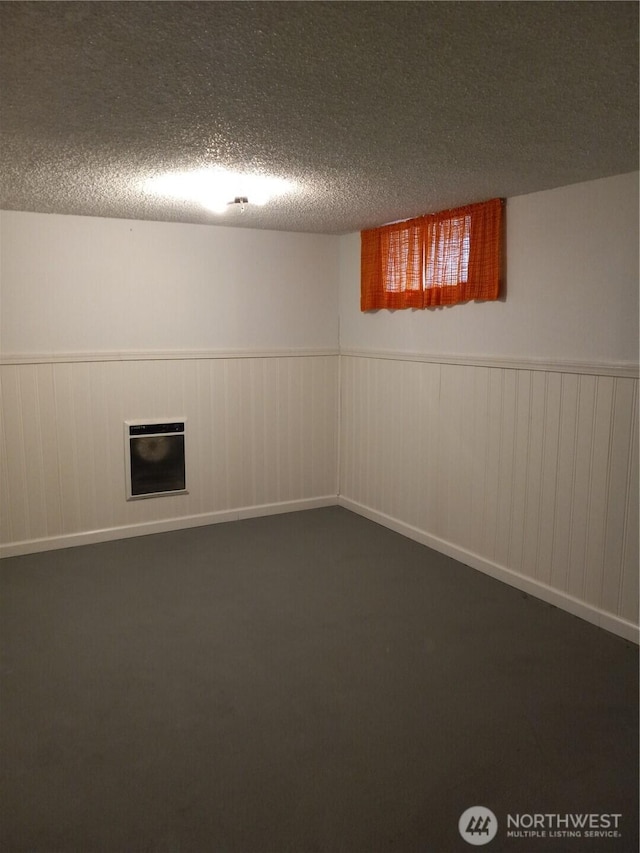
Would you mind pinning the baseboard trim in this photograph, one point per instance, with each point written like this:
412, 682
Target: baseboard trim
91, 537
607, 621
286, 506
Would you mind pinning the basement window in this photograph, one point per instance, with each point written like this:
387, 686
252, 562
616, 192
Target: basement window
438, 259
446, 261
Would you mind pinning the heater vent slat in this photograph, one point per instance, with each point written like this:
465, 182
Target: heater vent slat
156, 429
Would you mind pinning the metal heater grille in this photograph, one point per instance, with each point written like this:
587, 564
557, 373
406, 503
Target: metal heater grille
155, 458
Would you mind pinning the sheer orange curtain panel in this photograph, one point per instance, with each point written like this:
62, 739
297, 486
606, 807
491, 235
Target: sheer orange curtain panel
438, 259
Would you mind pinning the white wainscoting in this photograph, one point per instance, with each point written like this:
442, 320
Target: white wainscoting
262, 437
528, 474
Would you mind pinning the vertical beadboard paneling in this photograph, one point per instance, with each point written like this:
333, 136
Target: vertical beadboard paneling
375, 477
359, 426
5, 516
477, 436
534, 471
14, 500
564, 481
603, 414
581, 484
31, 426
448, 460
246, 425
507, 445
549, 477
259, 431
287, 451
457, 425
383, 442
520, 465
533, 484
230, 399
491, 427
84, 449
618, 493
415, 446
426, 491
362, 416
628, 605
67, 429
267, 438
325, 426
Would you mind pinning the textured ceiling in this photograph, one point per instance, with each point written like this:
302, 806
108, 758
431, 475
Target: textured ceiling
379, 111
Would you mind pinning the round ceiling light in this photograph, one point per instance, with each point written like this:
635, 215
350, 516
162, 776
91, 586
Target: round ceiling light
216, 189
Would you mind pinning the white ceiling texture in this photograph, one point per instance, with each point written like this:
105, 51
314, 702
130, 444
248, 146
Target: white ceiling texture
376, 111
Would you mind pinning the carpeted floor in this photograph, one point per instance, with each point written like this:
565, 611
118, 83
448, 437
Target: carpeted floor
303, 683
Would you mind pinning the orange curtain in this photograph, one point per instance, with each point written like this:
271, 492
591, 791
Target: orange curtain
438, 259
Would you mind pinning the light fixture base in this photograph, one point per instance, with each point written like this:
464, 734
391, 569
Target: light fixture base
242, 200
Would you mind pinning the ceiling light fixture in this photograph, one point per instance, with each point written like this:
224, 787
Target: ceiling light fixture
242, 200
218, 189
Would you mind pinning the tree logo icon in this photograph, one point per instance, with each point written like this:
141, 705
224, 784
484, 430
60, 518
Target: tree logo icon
478, 825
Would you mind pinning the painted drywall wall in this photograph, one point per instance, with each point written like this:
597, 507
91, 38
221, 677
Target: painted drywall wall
84, 284
571, 286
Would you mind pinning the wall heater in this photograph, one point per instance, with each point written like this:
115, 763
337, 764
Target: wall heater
155, 458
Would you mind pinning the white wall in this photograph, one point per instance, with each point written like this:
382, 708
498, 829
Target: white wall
85, 284
506, 433
105, 320
571, 290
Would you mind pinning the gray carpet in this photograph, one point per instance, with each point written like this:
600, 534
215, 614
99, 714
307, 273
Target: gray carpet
308, 683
